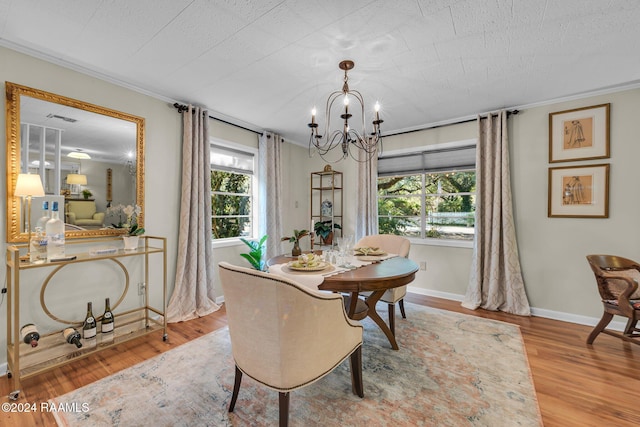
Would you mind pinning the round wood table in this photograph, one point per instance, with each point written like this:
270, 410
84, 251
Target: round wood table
376, 278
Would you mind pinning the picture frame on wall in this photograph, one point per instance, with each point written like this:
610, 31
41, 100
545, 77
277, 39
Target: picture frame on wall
579, 134
579, 191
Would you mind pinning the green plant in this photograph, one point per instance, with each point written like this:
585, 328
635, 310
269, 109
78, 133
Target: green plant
323, 228
255, 257
86, 193
297, 235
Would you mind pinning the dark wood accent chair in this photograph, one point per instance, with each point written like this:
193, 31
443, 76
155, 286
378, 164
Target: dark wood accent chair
617, 280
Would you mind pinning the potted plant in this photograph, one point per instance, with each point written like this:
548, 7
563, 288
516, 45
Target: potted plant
323, 229
86, 193
255, 257
295, 239
131, 225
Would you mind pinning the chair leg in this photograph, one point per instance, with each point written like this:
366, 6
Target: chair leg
284, 409
606, 318
392, 318
356, 372
401, 305
631, 326
236, 389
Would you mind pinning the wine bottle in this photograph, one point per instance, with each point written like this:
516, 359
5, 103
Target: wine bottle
107, 323
55, 235
72, 336
42, 221
89, 328
30, 334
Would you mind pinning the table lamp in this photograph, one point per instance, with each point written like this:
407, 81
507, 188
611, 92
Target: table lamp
28, 186
77, 179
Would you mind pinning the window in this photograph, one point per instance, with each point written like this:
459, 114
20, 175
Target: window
232, 192
428, 194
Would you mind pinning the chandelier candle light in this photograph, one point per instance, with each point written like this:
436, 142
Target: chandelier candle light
345, 138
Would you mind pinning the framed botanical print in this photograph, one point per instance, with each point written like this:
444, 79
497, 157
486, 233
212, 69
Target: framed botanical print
579, 134
579, 191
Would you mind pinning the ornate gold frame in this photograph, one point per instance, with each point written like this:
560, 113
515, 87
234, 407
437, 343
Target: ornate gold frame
12, 105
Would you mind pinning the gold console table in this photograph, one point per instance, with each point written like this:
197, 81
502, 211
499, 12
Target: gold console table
24, 362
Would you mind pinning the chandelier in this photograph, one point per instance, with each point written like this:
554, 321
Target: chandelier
348, 139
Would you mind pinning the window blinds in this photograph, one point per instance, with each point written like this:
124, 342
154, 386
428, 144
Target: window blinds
230, 160
437, 160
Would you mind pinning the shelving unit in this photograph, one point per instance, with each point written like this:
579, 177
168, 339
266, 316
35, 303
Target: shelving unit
326, 190
52, 351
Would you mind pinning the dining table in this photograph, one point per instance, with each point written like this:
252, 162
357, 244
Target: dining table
376, 277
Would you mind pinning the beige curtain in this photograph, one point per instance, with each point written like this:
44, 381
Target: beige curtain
193, 295
270, 178
496, 280
367, 203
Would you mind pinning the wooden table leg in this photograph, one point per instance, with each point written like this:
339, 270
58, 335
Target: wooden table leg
371, 301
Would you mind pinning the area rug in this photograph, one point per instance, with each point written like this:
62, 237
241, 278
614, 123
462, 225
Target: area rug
451, 370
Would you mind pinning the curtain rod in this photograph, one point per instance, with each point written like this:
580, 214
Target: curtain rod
182, 108
509, 113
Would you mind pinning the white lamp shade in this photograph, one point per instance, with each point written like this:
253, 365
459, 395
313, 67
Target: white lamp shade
74, 178
29, 185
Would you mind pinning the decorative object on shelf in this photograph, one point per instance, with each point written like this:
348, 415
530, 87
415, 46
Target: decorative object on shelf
256, 256
130, 242
324, 230
86, 194
346, 137
579, 134
579, 191
131, 213
27, 186
326, 207
295, 239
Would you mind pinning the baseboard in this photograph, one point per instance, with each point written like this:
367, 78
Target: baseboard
538, 312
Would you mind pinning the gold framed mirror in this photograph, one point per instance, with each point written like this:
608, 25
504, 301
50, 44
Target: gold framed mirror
71, 144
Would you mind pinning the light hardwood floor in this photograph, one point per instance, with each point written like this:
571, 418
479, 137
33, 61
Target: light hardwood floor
576, 384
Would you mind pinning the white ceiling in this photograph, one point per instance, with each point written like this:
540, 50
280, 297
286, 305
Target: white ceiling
265, 64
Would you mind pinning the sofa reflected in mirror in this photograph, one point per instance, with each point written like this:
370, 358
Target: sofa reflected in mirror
83, 213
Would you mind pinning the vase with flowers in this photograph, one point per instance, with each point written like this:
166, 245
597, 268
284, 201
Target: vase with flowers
128, 220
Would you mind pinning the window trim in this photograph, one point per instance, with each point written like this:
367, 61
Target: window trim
235, 241
430, 241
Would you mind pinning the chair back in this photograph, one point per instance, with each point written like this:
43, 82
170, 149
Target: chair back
283, 334
613, 274
389, 243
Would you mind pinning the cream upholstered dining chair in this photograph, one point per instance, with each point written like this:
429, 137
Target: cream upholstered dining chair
391, 244
284, 335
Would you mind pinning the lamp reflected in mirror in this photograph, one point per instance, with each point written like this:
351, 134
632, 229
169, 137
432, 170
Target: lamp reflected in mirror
29, 186
77, 180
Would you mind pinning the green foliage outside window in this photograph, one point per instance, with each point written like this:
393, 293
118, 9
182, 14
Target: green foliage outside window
230, 204
437, 205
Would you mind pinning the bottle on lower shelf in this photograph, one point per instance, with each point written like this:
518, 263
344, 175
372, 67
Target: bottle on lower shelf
72, 336
89, 328
29, 334
107, 323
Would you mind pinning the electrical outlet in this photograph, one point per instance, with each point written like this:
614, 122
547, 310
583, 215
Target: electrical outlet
141, 287
423, 265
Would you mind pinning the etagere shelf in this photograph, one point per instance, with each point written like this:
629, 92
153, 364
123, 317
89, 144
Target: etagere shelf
327, 202
24, 361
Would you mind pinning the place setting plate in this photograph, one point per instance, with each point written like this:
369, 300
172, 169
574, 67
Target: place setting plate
322, 266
